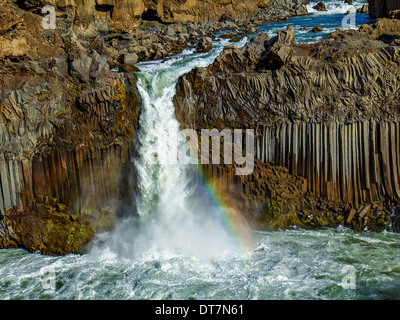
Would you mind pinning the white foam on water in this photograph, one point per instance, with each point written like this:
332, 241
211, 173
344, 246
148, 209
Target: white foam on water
335, 7
170, 215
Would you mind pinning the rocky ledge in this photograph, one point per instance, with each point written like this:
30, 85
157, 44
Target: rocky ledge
326, 117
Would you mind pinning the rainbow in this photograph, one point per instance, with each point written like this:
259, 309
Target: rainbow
224, 207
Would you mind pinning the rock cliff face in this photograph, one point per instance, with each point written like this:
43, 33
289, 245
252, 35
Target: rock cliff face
92, 15
384, 8
68, 122
67, 128
200, 11
327, 112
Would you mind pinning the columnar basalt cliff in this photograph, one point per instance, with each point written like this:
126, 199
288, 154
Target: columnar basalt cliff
384, 8
326, 116
67, 130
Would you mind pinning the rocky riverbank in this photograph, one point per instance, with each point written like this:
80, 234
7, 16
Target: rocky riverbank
384, 8
160, 35
326, 119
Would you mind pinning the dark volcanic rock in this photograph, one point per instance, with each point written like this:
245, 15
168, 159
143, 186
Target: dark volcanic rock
320, 7
68, 120
304, 77
364, 9
204, 45
316, 29
329, 112
383, 8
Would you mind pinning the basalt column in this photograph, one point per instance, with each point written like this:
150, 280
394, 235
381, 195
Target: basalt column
326, 121
356, 162
67, 171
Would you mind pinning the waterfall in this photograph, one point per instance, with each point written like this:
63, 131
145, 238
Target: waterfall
173, 213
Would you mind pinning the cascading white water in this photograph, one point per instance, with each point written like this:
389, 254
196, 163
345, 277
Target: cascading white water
172, 215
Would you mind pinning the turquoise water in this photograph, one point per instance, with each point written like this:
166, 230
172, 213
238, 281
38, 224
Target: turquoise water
181, 249
294, 264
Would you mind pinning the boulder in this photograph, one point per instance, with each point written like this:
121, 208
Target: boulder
317, 29
277, 51
320, 7
129, 58
170, 32
99, 68
13, 48
50, 233
365, 9
204, 45
141, 51
98, 45
178, 28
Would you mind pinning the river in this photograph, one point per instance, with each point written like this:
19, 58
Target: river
181, 247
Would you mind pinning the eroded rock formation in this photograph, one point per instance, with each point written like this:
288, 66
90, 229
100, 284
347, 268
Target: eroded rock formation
327, 112
384, 8
67, 128
68, 121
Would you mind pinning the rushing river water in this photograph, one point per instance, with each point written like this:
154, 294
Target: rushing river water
182, 248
